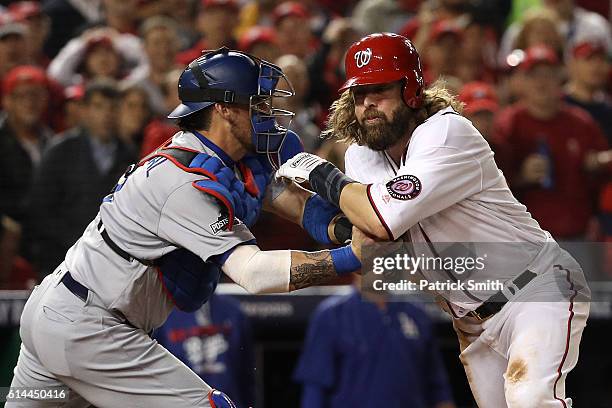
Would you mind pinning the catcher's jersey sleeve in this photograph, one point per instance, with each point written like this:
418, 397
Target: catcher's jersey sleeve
446, 161
194, 220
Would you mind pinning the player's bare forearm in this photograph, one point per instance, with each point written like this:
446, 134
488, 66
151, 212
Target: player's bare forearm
286, 199
355, 204
310, 268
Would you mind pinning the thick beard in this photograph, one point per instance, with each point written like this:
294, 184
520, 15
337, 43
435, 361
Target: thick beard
382, 136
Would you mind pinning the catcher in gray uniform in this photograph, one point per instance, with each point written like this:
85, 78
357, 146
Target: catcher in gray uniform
162, 237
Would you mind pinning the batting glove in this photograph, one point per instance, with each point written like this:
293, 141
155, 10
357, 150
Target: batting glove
299, 167
325, 178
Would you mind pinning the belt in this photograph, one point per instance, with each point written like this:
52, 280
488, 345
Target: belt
82, 292
116, 249
75, 287
497, 301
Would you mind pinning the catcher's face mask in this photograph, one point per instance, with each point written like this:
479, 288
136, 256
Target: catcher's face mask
268, 134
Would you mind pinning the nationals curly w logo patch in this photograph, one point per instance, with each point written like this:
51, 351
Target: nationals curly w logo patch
404, 187
362, 58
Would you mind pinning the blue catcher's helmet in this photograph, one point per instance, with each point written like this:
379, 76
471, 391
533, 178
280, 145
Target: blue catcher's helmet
234, 77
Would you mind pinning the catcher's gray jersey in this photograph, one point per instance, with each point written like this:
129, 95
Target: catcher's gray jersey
152, 213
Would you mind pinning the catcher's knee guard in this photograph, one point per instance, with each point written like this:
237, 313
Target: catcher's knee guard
218, 399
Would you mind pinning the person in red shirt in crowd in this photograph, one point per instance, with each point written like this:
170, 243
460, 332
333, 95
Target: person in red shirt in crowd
38, 24
216, 21
442, 51
294, 34
554, 150
12, 44
260, 41
589, 69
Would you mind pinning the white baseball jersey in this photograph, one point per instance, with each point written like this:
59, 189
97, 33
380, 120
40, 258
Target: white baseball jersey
448, 189
155, 211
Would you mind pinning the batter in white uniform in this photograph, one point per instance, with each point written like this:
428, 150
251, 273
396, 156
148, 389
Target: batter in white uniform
420, 172
87, 325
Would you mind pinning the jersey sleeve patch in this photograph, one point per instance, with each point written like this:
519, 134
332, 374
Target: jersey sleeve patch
405, 187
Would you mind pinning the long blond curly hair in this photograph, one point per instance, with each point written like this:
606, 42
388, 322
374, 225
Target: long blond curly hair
342, 123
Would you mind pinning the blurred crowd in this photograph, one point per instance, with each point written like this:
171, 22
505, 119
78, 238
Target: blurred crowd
86, 85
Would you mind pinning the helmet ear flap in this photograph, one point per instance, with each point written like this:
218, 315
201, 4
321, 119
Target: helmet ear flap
412, 91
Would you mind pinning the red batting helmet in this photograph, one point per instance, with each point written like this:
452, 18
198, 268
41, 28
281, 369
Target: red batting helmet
382, 58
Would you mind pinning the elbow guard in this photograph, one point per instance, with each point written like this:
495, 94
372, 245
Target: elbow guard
318, 213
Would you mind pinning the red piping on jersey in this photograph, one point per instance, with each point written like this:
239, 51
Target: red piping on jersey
197, 170
380, 218
160, 276
210, 400
569, 332
155, 151
249, 180
220, 197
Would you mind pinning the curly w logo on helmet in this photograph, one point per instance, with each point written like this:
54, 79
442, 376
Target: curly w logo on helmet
363, 57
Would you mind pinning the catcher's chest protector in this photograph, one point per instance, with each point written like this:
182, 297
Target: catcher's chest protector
187, 279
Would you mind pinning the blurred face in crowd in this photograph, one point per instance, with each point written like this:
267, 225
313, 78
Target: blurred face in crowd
38, 30
134, 113
102, 62
382, 115
297, 73
441, 55
170, 89
294, 35
542, 32
161, 45
541, 86
26, 104
99, 116
266, 51
591, 71
73, 113
12, 52
217, 25
121, 8
473, 42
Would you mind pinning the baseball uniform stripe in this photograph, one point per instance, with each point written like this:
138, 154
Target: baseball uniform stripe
382, 221
569, 332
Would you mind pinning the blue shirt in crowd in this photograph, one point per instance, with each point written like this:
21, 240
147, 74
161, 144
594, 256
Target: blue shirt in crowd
359, 355
216, 343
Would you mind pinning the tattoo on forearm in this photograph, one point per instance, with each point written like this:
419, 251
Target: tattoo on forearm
310, 268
